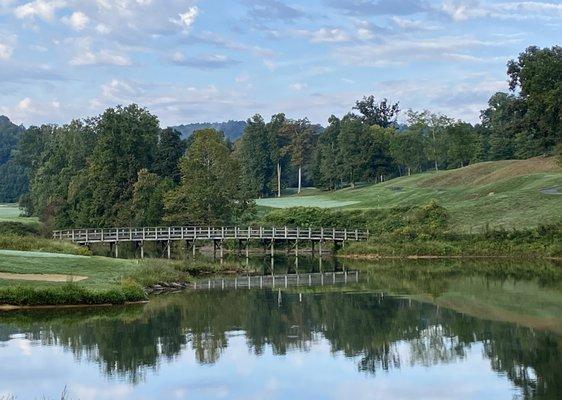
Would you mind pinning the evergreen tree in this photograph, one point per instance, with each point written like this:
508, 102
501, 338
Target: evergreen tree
169, 151
256, 154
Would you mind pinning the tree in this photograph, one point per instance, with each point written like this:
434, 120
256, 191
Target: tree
169, 151
126, 139
210, 191
504, 119
279, 144
353, 143
462, 144
257, 154
148, 198
13, 177
326, 156
432, 127
408, 149
382, 114
300, 138
537, 73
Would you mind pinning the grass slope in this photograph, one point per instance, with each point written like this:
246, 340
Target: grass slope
102, 272
12, 213
508, 194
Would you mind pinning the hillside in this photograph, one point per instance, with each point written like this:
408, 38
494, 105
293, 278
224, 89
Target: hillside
508, 194
231, 129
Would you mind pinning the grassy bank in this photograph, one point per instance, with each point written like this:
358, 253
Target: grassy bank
510, 194
512, 244
36, 277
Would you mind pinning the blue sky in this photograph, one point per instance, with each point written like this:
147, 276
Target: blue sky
195, 61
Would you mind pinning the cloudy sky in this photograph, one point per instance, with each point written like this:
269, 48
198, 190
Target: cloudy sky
214, 60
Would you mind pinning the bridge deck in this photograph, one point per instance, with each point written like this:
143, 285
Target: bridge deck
191, 233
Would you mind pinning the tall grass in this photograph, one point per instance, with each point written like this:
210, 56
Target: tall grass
33, 243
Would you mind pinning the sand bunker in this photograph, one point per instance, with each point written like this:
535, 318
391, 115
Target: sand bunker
41, 277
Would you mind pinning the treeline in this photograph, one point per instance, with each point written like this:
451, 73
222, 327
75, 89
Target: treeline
369, 145
13, 177
121, 168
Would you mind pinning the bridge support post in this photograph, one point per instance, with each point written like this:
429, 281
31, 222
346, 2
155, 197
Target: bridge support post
221, 249
297, 248
116, 250
169, 249
272, 247
247, 249
320, 248
193, 248
142, 250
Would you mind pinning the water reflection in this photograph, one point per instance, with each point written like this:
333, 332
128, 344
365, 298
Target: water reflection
376, 332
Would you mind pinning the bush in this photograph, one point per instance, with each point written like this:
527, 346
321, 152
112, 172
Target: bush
71, 294
429, 219
18, 228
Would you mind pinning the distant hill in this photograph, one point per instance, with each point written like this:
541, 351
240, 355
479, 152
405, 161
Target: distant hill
507, 193
231, 129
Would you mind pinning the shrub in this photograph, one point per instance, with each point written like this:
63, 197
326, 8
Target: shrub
71, 294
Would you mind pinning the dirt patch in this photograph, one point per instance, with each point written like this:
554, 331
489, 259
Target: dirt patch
42, 277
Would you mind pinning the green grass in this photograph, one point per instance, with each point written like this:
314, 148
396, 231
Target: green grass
501, 194
102, 272
12, 213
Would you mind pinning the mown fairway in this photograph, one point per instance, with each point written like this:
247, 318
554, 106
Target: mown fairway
12, 213
508, 194
102, 272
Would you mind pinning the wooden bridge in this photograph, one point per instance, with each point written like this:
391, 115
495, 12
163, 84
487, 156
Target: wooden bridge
191, 234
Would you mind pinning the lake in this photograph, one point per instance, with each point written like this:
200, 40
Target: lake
385, 336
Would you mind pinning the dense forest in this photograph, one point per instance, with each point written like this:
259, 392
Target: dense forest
13, 177
121, 168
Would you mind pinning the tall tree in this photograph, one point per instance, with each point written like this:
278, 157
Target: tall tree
537, 74
300, 137
279, 143
126, 139
210, 191
382, 114
462, 144
171, 147
257, 155
148, 198
326, 156
353, 143
504, 119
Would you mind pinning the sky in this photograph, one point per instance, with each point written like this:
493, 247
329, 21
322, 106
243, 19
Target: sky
201, 61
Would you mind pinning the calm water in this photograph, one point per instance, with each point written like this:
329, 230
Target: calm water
384, 337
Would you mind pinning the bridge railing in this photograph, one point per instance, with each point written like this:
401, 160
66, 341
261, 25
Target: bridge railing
208, 233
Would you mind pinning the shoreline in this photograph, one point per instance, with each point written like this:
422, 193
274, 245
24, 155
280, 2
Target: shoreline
375, 256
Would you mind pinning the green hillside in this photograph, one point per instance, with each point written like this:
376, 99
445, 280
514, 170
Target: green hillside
509, 194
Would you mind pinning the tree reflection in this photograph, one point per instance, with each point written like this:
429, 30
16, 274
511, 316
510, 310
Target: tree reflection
375, 331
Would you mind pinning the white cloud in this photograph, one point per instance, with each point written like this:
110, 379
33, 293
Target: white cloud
407, 50
329, 35
85, 55
187, 18
298, 87
44, 9
77, 20
103, 29
7, 45
463, 10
